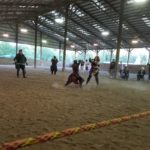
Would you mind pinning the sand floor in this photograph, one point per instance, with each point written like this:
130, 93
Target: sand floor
41, 103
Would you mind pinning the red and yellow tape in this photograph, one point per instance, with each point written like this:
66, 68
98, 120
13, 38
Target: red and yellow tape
68, 132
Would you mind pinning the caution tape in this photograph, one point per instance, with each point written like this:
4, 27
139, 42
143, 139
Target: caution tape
68, 132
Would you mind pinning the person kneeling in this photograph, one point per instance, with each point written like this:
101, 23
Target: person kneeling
75, 77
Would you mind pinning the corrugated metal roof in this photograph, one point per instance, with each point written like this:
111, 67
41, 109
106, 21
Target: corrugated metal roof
87, 20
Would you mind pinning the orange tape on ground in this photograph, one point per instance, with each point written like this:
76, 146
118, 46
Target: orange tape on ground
68, 132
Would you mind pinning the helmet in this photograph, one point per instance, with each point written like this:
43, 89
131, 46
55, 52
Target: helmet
97, 58
75, 61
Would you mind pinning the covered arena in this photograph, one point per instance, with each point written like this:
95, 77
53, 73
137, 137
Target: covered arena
40, 103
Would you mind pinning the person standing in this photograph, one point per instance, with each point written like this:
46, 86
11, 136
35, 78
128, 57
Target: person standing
82, 65
20, 62
141, 73
94, 69
121, 68
53, 67
86, 65
125, 73
112, 68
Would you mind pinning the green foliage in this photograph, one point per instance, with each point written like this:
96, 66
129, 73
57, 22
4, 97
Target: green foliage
8, 50
132, 59
143, 60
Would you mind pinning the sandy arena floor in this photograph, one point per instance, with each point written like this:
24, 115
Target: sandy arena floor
41, 103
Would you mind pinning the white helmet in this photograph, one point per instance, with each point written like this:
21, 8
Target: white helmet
142, 68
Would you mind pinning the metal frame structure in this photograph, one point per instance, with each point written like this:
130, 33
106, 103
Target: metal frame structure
86, 20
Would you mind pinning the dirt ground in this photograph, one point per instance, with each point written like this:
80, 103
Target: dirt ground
40, 104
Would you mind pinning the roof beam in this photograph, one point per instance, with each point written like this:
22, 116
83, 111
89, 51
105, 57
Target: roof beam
86, 29
71, 30
101, 24
56, 31
126, 20
40, 30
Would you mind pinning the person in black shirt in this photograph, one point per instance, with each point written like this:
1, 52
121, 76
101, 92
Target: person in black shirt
112, 68
53, 67
20, 61
141, 73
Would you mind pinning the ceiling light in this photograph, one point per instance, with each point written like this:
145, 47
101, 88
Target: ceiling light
44, 41
67, 39
24, 30
95, 44
72, 46
140, 1
21, 6
105, 33
6, 35
134, 41
59, 20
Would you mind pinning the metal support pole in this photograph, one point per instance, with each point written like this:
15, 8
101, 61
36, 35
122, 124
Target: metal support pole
35, 40
59, 51
129, 52
111, 53
119, 38
41, 45
85, 54
17, 33
128, 56
75, 53
97, 51
65, 36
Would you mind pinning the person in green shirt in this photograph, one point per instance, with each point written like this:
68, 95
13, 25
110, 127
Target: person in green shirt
20, 62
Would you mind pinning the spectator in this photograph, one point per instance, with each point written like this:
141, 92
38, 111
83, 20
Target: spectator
20, 61
86, 65
148, 64
82, 65
125, 73
112, 68
141, 73
54, 62
121, 68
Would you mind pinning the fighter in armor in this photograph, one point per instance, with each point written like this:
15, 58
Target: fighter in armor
94, 71
74, 76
